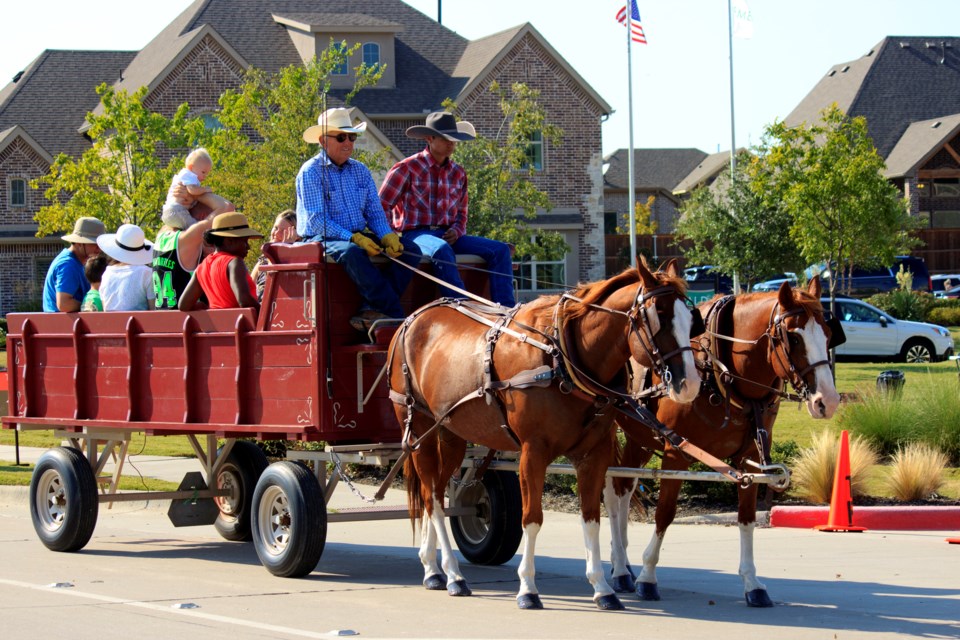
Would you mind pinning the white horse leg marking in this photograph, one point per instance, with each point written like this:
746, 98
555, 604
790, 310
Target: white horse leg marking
651, 557
527, 569
618, 510
428, 547
449, 562
591, 540
748, 570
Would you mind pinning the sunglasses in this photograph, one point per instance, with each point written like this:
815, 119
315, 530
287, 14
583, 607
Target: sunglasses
343, 137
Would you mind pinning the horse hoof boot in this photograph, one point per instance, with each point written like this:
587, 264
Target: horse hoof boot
459, 588
758, 598
623, 584
648, 591
609, 603
436, 582
529, 601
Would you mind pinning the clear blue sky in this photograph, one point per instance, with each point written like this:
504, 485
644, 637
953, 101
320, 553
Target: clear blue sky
681, 78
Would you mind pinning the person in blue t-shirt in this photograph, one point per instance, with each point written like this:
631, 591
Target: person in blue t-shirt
66, 284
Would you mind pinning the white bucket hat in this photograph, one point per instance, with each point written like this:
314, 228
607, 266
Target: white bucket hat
335, 120
127, 245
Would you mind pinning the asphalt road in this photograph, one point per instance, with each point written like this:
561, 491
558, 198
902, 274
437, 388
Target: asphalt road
141, 577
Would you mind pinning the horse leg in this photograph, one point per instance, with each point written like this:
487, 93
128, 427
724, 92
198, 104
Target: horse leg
617, 493
434, 461
666, 511
753, 590
590, 481
533, 470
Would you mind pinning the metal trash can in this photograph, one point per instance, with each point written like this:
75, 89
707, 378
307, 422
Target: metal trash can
890, 382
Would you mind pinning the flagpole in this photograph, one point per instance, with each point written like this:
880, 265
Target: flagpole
733, 135
631, 194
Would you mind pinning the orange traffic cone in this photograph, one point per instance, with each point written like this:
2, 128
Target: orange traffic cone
841, 504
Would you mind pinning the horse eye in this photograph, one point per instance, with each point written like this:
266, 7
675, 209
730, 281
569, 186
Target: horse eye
794, 339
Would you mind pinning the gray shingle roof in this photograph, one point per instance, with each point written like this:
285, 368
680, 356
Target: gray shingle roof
652, 168
899, 81
920, 141
55, 93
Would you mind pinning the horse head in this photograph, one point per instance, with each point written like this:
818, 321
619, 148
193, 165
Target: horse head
800, 337
661, 324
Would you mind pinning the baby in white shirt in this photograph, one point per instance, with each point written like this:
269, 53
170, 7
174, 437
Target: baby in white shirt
197, 166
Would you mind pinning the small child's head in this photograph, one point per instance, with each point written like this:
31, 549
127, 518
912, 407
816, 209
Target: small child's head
94, 269
199, 162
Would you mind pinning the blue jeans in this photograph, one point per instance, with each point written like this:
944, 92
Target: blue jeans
380, 290
495, 253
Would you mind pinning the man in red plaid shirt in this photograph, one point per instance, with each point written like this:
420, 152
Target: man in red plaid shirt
425, 197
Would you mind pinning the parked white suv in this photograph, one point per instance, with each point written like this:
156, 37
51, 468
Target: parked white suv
872, 334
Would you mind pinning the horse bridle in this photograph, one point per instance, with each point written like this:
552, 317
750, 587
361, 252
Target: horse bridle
779, 336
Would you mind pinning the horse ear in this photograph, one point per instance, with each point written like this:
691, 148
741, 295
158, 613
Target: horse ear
648, 279
814, 288
785, 295
671, 269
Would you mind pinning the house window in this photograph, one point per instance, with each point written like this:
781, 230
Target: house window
534, 152
946, 219
211, 122
371, 54
18, 192
540, 275
340, 69
946, 188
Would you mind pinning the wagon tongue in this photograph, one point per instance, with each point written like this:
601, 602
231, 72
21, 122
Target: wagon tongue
637, 411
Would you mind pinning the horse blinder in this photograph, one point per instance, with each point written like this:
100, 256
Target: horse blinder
837, 336
698, 327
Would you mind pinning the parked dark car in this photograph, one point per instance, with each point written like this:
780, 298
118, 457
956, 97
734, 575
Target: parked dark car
703, 282
940, 283
774, 282
867, 282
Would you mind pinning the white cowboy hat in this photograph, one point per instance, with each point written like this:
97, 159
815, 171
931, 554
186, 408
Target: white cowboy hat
127, 245
444, 125
85, 231
336, 120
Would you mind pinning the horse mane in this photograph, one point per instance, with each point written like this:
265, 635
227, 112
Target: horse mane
594, 292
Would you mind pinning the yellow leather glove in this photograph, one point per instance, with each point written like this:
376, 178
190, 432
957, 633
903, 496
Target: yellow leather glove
365, 243
391, 242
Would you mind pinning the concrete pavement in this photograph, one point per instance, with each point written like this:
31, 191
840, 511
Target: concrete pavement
140, 576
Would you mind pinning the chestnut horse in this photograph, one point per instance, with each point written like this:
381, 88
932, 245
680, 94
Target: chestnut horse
754, 343
542, 379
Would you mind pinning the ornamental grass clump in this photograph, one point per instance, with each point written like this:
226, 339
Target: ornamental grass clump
815, 466
916, 472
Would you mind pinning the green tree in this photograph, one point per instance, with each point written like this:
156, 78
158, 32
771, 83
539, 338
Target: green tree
644, 224
829, 178
124, 175
260, 147
499, 171
734, 226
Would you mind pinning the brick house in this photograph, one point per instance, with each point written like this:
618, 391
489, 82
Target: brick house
206, 50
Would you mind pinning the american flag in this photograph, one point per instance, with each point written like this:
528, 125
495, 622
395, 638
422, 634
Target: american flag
636, 29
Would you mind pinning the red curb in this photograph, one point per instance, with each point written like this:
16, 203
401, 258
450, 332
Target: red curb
890, 518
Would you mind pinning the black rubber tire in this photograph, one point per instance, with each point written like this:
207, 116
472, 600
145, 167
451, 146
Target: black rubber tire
918, 350
289, 519
493, 535
64, 501
240, 473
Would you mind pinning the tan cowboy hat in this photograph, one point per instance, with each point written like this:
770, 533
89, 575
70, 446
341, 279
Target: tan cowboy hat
127, 245
233, 225
443, 124
336, 120
85, 231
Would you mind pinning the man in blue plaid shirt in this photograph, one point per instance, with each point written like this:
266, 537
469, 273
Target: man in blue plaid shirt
337, 203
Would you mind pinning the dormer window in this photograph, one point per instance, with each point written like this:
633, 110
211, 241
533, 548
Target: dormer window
311, 34
18, 192
371, 54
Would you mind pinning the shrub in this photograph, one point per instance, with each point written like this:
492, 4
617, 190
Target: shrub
904, 304
944, 315
916, 472
815, 466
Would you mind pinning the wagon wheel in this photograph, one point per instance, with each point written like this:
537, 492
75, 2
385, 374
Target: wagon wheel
63, 499
492, 535
289, 520
238, 475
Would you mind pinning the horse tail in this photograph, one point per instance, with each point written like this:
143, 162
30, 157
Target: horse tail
414, 496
